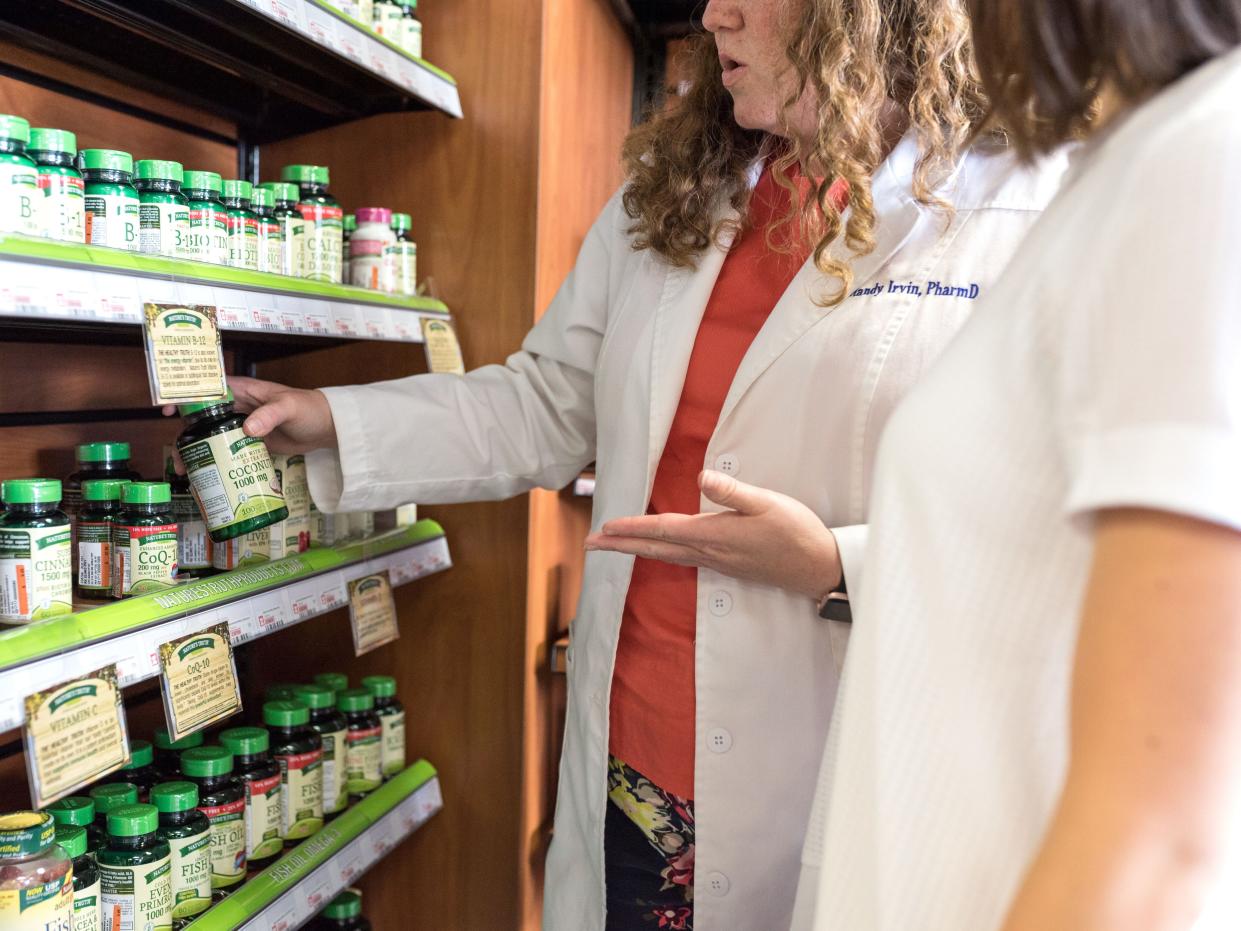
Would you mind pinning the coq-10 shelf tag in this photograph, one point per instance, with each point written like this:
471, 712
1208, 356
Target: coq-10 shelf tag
199, 680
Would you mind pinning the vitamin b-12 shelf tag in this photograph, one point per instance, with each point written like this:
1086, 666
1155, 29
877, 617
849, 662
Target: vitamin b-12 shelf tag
185, 361
439, 339
372, 612
75, 733
198, 676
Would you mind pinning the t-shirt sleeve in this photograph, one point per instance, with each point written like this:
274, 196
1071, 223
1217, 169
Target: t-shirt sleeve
1150, 362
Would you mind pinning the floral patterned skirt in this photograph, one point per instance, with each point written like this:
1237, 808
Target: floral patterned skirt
649, 854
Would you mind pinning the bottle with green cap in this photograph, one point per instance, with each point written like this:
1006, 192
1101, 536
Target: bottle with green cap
79, 811
100, 506
104, 459
111, 198
405, 255
19, 180
36, 875
62, 207
411, 34
336, 681
208, 236
86, 909
36, 556
243, 224
349, 226
163, 211
232, 474
193, 541
140, 771
108, 796
168, 751
324, 221
343, 913
280, 691
299, 752
331, 727
271, 233
144, 539
392, 720
188, 833
251, 749
292, 227
135, 870
363, 742
222, 798
387, 20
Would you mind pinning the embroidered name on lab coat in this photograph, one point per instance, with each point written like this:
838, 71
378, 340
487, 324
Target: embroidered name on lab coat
968, 292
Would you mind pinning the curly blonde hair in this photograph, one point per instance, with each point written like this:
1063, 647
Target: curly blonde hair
857, 58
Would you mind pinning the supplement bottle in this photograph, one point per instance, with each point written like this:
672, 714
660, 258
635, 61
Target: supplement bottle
193, 541
163, 211
324, 222
139, 772
331, 727
62, 209
405, 255
348, 225
239, 552
36, 875
411, 33
372, 258
392, 719
108, 797
292, 535
222, 798
363, 742
243, 225
79, 811
361, 10
188, 833
100, 507
336, 681
168, 751
20, 210
36, 557
231, 474
208, 237
96, 460
262, 778
135, 871
87, 912
271, 233
144, 539
280, 691
111, 199
299, 751
387, 19
343, 913
293, 227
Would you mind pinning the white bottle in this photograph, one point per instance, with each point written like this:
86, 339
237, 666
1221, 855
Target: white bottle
372, 263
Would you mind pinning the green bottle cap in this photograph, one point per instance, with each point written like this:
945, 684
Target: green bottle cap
53, 140
107, 160
15, 128
320, 175
346, 905
163, 740
245, 741
103, 452
113, 795
146, 493
285, 713
262, 197
174, 796
26, 834
235, 189
298, 173
350, 223
206, 761
31, 491
380, 686
195, 407
133, 820
154, 169
140, 754
282, 191
336, 681
202, 181
315, 696
355, 700
76, 809
401, 221
104, 489
281, 691
72, 839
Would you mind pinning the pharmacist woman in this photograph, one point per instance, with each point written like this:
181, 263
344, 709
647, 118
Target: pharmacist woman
699, 703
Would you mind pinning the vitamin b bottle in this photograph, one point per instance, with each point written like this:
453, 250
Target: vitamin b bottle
222, 798
36, 556
392, 719
163, 211
62, 207
100, 507
243, 225
324, 221
208, 238
271, 233
19, 180
262, 778
37, 875
144, 539
135, 869
293, 228
188, 833
111, 199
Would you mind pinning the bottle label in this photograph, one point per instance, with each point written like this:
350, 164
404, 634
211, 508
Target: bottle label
228, 842
87, 909
41, 907
193, 542
233, 478
324, 238
146, 559
271, 246
264, 817
142, 895
36, 572
301, 809
191, 874
387, 18
95, 556
364, 759
292, 535
112, 220
404, 267
208, 235
245, 550
19, 199
335, 789
411, 38
164, 229
243, 242
371, 264
293, 248
393, 727
63, 207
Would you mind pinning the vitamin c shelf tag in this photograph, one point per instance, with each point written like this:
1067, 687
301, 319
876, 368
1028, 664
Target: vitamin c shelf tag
372, 612
75, 733
184, 358
198, 675
439, 339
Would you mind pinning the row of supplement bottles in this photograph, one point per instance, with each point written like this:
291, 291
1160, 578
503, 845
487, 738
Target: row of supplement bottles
395, 20
379, 251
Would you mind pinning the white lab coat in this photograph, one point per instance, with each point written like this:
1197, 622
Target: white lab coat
599, 378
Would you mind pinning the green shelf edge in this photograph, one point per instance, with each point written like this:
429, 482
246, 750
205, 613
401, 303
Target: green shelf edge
31, 642
259, 892
103, 259
371, 33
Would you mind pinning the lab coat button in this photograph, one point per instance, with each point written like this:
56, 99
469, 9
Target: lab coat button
720, 603
728, 463
717, 883
719, 740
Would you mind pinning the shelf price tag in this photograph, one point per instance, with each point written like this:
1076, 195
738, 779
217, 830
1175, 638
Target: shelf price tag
372, 612
185, 361
264, 318
198, 676
439, 340
75, 733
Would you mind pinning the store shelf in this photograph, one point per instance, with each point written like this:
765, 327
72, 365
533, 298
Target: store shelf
297, 886
63, 290
254, 602
275, 68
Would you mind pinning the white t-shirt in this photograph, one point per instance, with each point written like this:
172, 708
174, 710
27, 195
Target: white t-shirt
1103, 370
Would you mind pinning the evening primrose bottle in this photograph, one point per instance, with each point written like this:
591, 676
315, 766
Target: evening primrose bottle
135, 870
193, 541
188, 833
111, 199
324, 222
332, 729
36, 556
232, 474
271, 233
19, 180
63, 205
222, 798
36, 875
363, 742
263, 780
293, 228
79, 811
145, 540
299, 751
243, 225
100, 507
163, 211
392, 719
208, 237
87, 912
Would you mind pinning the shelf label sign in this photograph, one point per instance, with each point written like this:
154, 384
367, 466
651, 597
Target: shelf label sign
185, 361
372, 612
439, 339
198, 676
75, 733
